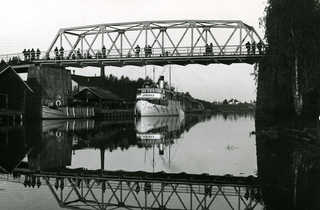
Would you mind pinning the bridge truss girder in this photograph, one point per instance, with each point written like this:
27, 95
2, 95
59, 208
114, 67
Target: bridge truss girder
166, 38
100, 193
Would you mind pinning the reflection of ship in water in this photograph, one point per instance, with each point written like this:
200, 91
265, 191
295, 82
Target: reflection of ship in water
159, 131
50, 144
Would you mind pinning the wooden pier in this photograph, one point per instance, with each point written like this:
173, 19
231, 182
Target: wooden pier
117, 114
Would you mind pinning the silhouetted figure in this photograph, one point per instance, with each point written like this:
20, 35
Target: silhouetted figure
248, 46
78, 183
104, 52
56, 184
61, 52
103, 186
33, 181
145, 51
61, 184
24, 54
207, 49
33, 54
253, 47
56, 52
137, 51
149, 50
25, 183
147, 187
259, 46
79, 54
38, 54
211, 49
28, 181
38, 181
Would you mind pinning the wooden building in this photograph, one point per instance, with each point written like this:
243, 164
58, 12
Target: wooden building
15, 95
98, 97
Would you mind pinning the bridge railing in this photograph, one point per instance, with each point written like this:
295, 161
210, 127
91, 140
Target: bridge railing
230, 50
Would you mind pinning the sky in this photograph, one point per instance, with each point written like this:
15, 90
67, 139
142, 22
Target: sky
34, 23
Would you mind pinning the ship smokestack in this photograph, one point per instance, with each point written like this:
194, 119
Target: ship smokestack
161, 82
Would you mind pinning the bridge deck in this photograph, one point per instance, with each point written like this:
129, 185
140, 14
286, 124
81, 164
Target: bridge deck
181, 178
160, 61
89, 189
22, 66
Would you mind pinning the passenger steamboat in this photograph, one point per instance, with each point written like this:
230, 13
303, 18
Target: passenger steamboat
158, 99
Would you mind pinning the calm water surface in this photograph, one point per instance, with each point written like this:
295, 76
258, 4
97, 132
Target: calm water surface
216, 146
219, 145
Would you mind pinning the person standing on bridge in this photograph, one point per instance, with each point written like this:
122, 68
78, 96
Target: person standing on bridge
137, 51
61, 52
248, 46
206, 52
33, 54
146, 51
24, 54
259, 46
56, 52
253, 47
28, 54
79, 54
211, 48
104, 52
149, 50
38, 54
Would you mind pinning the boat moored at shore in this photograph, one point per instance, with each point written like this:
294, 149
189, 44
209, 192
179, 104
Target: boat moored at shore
158, 100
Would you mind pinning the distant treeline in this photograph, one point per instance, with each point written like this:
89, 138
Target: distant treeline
126, 89
123, 86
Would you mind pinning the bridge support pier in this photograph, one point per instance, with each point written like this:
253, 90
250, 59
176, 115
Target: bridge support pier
52, 83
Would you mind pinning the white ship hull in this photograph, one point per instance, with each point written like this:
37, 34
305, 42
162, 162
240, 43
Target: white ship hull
145, 108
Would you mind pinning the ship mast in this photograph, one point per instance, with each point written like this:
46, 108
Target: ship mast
145, 72
169, 77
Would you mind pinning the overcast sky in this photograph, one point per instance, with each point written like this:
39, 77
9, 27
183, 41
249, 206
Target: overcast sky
34, 23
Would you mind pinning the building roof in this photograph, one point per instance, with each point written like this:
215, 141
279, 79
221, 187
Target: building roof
88, 81
101, 93
5, 67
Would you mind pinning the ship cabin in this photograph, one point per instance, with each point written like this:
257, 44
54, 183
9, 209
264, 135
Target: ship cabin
158, 93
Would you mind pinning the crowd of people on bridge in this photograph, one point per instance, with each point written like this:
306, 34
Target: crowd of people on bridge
59, 53
31, 54
147, 51
209, 49
251, 47
31, 181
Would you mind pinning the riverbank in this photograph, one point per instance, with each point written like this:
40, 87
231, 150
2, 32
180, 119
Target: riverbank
241, 107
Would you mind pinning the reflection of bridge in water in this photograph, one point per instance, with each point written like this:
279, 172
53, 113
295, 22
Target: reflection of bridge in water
101, 189
179, 42
84, 189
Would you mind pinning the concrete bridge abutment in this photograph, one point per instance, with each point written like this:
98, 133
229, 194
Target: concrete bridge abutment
52, 83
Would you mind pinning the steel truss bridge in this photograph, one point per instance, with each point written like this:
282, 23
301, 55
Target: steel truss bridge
142, 190
179, 42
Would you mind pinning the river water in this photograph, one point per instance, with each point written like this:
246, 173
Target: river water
215, 145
